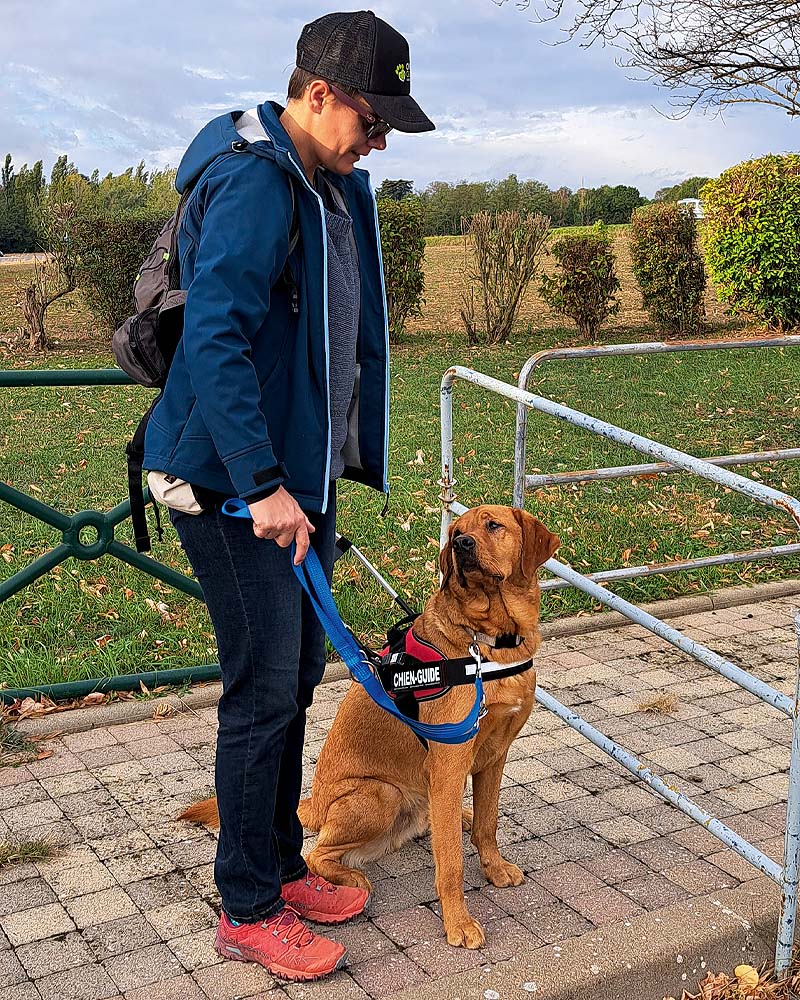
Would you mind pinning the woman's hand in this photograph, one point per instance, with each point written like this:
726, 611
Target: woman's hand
279, 517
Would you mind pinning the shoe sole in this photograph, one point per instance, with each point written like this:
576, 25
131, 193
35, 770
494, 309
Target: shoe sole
292, 976
331, 919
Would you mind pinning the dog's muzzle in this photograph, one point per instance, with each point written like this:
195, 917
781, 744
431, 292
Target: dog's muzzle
465, 552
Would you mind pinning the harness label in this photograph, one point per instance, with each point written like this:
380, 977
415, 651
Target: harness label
422, 677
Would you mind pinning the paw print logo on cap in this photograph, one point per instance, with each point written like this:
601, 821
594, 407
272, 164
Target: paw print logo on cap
403, 71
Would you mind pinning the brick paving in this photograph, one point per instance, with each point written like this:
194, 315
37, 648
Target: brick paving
128, 910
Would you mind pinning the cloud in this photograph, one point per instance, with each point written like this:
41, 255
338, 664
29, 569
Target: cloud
211, 74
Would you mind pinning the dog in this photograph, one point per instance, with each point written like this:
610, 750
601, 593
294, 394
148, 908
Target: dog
376, 786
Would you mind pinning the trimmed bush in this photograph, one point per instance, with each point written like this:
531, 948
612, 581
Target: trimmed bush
751, 236
502, 254
403, 249
668, 267
583, 288
110, 250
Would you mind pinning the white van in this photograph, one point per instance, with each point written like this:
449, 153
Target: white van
695, 204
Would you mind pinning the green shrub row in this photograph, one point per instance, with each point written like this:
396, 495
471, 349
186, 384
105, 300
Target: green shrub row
111, 247
751, 239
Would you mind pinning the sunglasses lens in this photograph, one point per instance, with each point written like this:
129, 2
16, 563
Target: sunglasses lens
380, 128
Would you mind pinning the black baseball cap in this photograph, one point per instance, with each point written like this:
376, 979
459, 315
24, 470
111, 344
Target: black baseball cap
361, 51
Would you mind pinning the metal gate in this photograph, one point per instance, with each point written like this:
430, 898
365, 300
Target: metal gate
785, 875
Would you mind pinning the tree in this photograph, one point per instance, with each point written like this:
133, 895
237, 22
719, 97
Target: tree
54, 275
401, 226
711, 53
535, 198
506, 195
395, 190
668, 267
502, 254
690, 188
62, 169
19, 198
585, 284
751, 234
612, 205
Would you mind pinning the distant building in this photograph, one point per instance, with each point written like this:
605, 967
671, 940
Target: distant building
695, 204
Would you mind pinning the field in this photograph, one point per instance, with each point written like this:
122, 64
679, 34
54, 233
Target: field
64, 446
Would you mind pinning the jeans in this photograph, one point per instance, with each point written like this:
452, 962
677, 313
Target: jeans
272, 656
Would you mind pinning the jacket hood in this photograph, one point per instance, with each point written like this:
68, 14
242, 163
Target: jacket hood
213, 139
219, 134
218, 137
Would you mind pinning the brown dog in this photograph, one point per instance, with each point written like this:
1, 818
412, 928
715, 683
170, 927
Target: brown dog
375, 787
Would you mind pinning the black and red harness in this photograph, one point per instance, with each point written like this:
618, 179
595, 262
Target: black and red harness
412, 670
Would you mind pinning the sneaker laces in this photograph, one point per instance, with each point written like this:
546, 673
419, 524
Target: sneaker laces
319, 884
290, 928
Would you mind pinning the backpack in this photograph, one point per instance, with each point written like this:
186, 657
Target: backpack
145, 344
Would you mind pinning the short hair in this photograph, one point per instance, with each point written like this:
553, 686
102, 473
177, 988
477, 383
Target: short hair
301, 78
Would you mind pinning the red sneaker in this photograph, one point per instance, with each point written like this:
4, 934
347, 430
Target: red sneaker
315, 898
282, 944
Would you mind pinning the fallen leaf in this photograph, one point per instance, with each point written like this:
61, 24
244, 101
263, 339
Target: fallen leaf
746, 975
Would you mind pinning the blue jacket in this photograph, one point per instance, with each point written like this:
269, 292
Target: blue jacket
246, 404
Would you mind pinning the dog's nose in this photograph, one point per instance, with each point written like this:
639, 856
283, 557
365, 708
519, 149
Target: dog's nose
464, 543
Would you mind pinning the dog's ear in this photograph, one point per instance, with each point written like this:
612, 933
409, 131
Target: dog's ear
446, 560
538, 544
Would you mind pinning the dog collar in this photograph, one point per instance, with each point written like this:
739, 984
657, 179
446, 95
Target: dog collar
506, 640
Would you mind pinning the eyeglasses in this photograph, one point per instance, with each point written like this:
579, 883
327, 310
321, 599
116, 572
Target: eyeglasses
374, 126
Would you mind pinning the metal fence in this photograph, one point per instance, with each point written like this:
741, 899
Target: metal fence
786, 875
524, 482
87, 534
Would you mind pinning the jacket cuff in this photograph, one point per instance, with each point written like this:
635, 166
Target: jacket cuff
263, 493
255, 470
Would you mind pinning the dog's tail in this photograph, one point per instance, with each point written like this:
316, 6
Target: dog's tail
307, 814
207, 812
202, 812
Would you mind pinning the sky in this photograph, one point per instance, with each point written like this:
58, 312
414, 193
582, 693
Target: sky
111, 83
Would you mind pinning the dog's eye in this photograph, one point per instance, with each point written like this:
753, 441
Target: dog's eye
493, 525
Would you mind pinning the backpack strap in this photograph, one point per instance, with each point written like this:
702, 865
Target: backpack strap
174, 270
287, 275
134, 450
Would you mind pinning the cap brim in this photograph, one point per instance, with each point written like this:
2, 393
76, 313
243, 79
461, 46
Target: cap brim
402, 113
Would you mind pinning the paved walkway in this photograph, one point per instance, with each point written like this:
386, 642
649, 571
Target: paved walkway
129, 910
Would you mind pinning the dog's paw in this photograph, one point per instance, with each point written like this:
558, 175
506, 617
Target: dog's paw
466, 818
466, 933
503, 873
356, 879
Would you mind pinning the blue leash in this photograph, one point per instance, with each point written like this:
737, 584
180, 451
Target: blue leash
312, 579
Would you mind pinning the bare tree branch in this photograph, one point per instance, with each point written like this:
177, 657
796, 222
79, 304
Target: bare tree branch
709, 53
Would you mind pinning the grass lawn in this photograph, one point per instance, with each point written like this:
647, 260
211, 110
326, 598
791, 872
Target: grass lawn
65, 447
